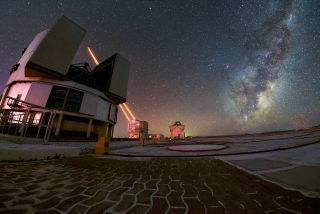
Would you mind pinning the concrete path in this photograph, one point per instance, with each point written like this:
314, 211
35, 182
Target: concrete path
297, 168
26, 152
38, 151
235, 145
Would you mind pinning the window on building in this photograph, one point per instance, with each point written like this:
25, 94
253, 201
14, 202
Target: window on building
19, 96
74, 100
57, 97
65, 99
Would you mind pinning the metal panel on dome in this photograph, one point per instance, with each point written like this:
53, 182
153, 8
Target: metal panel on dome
57, 50
111, 76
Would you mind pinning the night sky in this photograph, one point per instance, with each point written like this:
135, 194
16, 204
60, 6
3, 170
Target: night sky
220, 67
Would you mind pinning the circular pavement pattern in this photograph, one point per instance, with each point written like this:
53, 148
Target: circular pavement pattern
196, 148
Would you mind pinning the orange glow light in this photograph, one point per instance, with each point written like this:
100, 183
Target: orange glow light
96, 61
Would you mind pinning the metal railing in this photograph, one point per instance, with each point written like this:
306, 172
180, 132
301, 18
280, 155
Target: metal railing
26, 120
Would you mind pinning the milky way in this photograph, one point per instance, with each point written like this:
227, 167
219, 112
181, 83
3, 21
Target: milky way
267, 49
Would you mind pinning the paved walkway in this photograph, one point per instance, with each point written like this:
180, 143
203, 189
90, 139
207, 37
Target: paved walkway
91, 184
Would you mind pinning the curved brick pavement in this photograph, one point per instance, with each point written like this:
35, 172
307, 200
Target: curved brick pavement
97, 185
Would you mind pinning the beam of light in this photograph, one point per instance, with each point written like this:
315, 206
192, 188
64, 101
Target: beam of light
124, 112
96, 61
129, 111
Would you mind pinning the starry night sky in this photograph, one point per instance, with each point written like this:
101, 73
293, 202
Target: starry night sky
220, 67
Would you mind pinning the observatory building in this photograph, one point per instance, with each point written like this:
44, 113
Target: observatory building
137, 129
48, 96
177, 130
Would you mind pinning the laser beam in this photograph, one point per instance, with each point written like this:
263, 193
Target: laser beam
129, 111
124, 112
96, 61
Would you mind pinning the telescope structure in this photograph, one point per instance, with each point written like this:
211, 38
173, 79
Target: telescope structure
137, 129
46, 96
177, 130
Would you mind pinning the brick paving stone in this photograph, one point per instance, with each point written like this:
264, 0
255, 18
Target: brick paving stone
47, 203
54, 187
47, 195
23, 201
94, 189
19, 180
116, 194
207, 198
266, 203
58, 180
78, 178
50, 211
108, 180
190, 191
126, 202
129, 182
200, 186
90, 178
177, 211
144, 196
220, 210
194, 206
294, 204
14, 211
176, 176
68, 203
73, 185
138, 209
6, 191
27, 194
43, 180
159, 205
152, 184
165, 180
76, 191
93, 183
100, 208
175, 185
253, 207
175, 199
137, 187
144, 178
101, 195
4, 198
114, 185
155, 175
78, 209
163, 190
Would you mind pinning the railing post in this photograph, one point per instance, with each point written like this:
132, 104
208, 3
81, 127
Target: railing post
40, 123
24, 120
58, 124
89, 128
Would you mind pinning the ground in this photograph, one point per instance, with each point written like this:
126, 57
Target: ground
155, 185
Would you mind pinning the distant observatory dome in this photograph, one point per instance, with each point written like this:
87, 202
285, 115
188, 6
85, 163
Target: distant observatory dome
300, 122
177, 130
